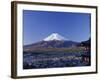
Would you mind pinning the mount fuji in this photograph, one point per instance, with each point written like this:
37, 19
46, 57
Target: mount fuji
55, 36
54, 40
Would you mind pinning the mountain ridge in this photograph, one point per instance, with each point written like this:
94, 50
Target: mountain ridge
50, 44
54, 40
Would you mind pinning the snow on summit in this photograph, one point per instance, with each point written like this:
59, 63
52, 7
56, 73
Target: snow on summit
55, 36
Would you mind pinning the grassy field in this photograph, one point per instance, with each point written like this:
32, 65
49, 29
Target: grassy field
72, 49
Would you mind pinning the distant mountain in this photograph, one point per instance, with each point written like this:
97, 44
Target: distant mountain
55, 36
53, 41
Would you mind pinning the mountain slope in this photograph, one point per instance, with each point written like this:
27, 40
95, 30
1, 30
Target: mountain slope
51, 44
52, 41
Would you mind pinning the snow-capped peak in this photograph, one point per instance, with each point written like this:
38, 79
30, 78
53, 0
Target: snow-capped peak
55, 36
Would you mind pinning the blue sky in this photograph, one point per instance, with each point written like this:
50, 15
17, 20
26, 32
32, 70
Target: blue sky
39, 24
